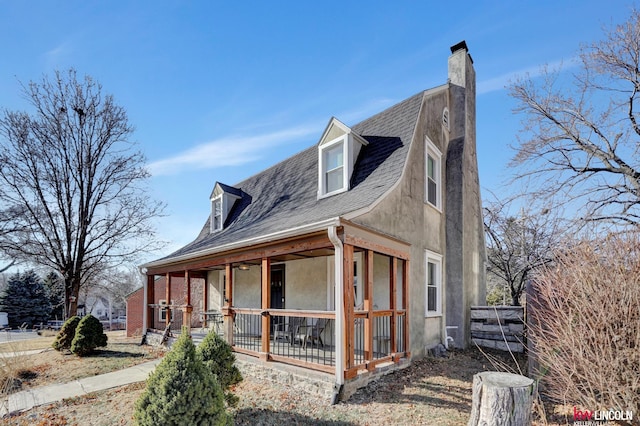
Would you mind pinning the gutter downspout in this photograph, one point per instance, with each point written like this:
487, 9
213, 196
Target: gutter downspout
339, 309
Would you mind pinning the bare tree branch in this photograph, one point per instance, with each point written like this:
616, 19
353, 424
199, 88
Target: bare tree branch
581, 136
72, 194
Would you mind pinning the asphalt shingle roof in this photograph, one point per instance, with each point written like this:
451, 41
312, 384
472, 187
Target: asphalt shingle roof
284, 196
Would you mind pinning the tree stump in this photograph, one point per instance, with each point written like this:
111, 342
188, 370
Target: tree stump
501, 399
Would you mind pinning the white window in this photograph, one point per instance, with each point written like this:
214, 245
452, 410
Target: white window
334, 163
434, 284
332, 156
162, 313
433, 173
216, 214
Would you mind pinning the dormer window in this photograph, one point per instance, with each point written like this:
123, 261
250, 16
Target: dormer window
223, 198
337, 153
216, 214
334, 170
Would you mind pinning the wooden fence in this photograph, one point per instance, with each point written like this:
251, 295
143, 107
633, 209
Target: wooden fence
498, 327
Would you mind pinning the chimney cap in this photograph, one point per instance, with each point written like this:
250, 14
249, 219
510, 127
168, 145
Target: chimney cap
461, 45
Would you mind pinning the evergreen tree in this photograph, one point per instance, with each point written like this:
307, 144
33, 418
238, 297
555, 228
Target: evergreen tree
25, 299
55, 285
89, 335
217, 356
66, 334
182, 391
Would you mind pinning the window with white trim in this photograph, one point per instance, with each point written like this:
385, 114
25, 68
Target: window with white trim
434, 284
216, 214
332, 157
433, 173
162, 312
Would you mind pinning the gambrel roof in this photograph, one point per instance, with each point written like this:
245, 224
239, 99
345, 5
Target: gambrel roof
284, 196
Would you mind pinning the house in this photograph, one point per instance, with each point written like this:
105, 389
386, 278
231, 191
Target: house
95, 305
178, 291
355, 255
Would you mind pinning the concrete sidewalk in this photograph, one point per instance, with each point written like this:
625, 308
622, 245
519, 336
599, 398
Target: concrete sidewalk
30, 398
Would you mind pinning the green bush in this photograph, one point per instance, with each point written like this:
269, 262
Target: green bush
66, 334
181, 391
217, 356
89, 335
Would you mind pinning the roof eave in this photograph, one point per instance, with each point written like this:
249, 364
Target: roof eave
291, 232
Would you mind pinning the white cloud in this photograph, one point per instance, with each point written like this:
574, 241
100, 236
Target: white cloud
229, 151
57, 55
502, 81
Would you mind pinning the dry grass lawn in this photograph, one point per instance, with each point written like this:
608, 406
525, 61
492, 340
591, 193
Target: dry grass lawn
429, 392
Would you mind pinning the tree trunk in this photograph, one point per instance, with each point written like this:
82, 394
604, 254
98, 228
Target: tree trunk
501, 399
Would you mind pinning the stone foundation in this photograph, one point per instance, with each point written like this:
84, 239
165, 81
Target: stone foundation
365, 377
312, 382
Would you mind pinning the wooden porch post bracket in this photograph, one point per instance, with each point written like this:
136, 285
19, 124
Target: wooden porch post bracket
266, 303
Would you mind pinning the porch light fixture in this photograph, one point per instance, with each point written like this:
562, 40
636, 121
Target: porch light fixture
244, 267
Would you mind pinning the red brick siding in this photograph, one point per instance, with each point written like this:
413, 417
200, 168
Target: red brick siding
135, 302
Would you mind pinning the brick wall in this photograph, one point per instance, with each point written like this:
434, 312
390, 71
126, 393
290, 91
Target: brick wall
135, 302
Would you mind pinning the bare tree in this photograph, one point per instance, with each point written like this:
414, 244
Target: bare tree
518, 243
581, 134
72, 194
585, 323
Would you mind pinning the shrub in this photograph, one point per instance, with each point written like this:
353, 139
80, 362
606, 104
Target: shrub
218, 358
89, 335
66, 334
585, 324
181, 391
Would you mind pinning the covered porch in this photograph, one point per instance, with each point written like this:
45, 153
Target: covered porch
333, 300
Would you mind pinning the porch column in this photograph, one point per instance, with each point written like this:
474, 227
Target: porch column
266, 304
393, 283
347, 279
228, 303
368, 305
148, 298
167, 292
205, 300
332, 233
405, 303
186, 314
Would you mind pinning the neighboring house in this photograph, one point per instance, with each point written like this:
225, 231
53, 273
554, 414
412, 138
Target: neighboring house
178, 297
98, 306
374, 235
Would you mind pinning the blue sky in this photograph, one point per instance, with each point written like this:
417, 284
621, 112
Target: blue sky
218, 91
